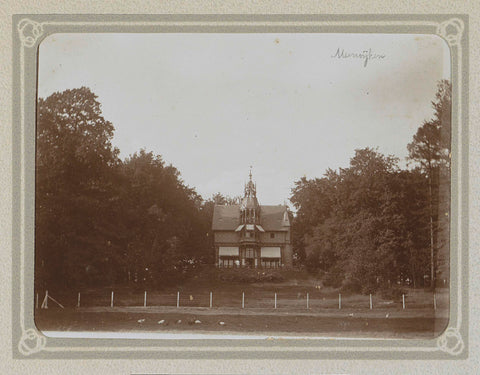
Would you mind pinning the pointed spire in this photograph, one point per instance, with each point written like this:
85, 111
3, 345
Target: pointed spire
286, 220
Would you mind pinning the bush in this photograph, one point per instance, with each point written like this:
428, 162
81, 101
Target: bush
394, 293
271, 276
250, 275
351, 286
333, 278
311, 263
370, 288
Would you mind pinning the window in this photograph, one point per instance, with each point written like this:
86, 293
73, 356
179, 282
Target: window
270, 263
229, 262
272, 235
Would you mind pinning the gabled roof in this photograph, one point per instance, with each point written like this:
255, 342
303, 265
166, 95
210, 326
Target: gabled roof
272, 218
226, 217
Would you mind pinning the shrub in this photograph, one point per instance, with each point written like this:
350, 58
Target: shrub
393, 293
271, 276
333, 278
370, 288
351, 286
311, 263
250, 276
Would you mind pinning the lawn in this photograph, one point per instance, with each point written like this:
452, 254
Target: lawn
201, 290
261, 311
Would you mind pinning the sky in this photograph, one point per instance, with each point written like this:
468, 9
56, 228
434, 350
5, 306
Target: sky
285, 104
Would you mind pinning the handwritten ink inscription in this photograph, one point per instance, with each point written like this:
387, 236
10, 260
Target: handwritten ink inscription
365, 55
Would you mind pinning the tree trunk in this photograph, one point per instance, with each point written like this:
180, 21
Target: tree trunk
432, 261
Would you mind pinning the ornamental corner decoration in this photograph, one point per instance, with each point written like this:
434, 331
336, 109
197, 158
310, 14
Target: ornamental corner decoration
452, 31
451, 342
31, 342
29, 32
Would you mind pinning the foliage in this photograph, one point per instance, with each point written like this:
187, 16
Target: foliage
333, 277
104, 221
368, 225
250, 275
76, 170
101, 221
352, 286
394, 293
220, 199
430, 150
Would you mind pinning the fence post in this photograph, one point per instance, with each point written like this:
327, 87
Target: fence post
111, 300
307, 301
45, 301
434, 301
339, 301
275, 300
145, 299
371, 304
243, 300
211, 299
178, 299
403, 301
78, 300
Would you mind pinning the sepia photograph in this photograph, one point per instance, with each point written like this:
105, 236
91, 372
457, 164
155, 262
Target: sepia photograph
243, 185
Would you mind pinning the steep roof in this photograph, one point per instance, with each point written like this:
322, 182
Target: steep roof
272, 218
226, 217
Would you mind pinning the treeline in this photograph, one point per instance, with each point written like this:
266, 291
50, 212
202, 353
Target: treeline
101, 220
374, 225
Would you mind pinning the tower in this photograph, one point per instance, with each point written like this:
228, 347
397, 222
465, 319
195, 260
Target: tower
249, 206
249, 225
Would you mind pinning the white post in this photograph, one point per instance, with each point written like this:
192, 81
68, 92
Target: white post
307, 300
145, 299
403, 301
371, 305
243, 300
111, 300
78, 300
46, 300
434, 301
42, 306
178, 299
211, 299
339, 301
275, 300
36, 302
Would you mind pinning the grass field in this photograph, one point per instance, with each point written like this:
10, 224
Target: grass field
386, 318
260, 322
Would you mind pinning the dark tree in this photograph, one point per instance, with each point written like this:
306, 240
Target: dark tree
430, 149
361, 226
75, 189
168, 231
101, 221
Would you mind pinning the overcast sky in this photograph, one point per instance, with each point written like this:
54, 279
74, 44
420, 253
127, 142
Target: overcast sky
214, 104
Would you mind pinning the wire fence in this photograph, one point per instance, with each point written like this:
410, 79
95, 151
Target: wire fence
286, 300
